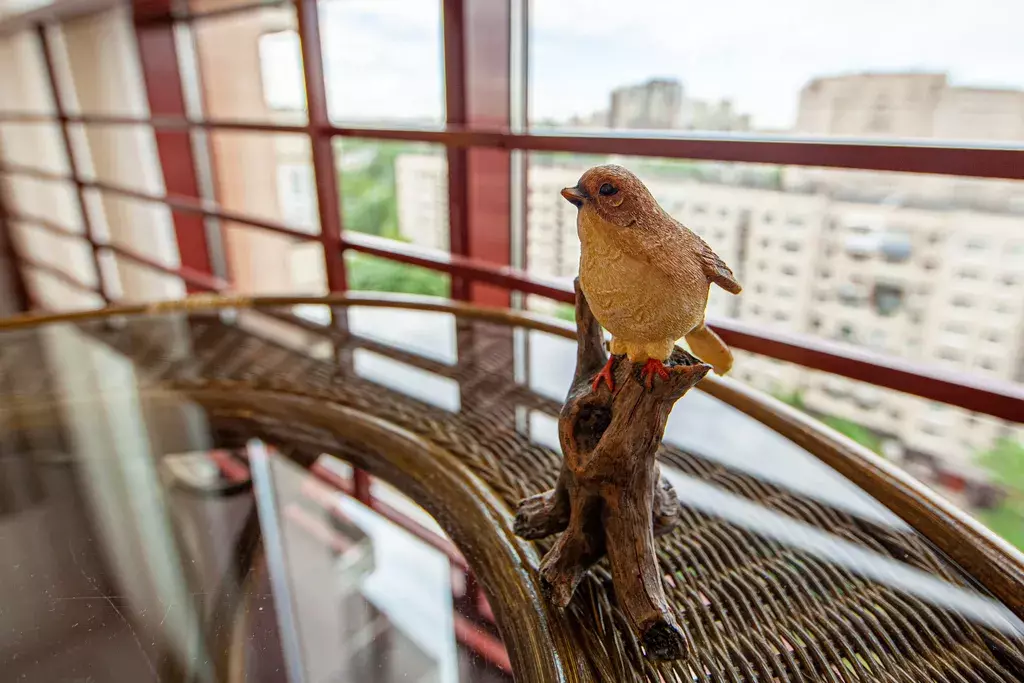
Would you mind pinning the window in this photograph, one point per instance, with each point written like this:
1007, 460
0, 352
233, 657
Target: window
789, 270
297, 195
383, 61
887, 299
849, 294
280, 71
896, 247
951, 354
975, 244
969, 274
961, 301
791, 245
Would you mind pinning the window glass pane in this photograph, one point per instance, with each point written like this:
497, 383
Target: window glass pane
383, 60
33, 145
899, 69
371, 273
24, 86
124, 156
51, 200
397, 190
96, 60
266, 176
251, 66
70, 255
263, 262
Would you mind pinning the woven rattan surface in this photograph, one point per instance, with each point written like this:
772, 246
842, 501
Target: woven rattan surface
768, 583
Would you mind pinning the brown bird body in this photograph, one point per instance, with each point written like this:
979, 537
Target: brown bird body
645, 275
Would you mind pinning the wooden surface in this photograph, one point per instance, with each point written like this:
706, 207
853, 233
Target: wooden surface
610, 495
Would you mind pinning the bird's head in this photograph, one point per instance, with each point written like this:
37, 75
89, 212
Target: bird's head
613, 193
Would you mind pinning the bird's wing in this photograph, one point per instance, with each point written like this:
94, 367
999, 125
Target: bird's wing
716, 270
663, 242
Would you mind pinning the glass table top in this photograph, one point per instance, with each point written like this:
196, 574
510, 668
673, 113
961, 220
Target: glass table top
161, 518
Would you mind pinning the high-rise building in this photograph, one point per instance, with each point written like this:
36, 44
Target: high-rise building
914, 105
662, 104
655, 104
422, 180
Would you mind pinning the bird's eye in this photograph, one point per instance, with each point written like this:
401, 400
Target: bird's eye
607, 190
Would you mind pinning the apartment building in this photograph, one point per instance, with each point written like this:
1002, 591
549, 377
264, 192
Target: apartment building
421, 181
655, 104
917, 105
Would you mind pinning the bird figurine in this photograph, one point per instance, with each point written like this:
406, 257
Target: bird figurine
645, 274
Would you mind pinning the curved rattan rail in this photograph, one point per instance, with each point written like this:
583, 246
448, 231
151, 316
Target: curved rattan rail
835, 616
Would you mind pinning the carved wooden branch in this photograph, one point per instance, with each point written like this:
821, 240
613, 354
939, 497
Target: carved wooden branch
610, 497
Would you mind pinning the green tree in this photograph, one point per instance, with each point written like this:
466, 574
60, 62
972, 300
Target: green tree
566, 312
369, 273
1005, 461
369, 193
1007, 520
857, 432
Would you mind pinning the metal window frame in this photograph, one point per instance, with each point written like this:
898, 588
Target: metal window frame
479, 135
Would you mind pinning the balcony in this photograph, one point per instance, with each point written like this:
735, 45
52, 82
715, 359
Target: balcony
152, 150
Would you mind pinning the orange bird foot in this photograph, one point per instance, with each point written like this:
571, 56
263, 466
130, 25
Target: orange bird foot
653, 367
606, 374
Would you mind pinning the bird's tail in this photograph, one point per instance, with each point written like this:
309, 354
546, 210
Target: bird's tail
710, 348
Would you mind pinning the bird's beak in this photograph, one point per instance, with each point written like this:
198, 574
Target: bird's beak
574, 196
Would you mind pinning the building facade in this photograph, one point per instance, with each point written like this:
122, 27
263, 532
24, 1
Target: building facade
913, 105
655, 104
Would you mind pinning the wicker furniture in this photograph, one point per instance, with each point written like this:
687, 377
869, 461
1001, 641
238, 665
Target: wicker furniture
826, 565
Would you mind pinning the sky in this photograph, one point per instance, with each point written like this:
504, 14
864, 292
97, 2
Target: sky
384, 58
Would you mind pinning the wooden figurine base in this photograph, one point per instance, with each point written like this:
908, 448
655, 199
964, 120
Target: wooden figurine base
610, 496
